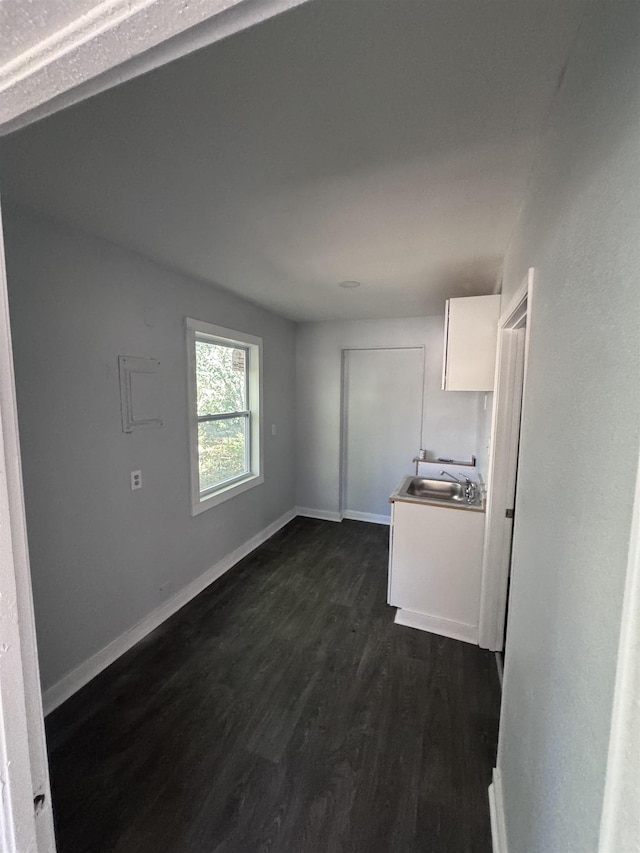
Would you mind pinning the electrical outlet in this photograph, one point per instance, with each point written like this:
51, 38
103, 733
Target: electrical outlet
136, 480
273, 429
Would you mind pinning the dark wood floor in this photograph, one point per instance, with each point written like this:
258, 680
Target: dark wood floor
282, 710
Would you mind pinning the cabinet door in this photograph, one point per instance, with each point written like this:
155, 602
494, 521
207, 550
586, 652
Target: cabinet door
436, 563
471, 334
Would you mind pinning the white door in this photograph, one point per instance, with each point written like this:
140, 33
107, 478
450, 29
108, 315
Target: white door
382, 425
511, 366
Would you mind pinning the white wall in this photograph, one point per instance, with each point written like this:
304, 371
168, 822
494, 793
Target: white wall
450, 417
100, 552
485, 410
579, 228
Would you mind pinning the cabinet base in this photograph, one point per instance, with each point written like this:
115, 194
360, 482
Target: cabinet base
436, 625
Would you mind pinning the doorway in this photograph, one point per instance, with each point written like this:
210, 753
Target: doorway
515, 352
508, 405
382, 394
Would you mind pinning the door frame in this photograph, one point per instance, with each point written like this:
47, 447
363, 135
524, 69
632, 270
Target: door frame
508, 408
620, 823
26, 817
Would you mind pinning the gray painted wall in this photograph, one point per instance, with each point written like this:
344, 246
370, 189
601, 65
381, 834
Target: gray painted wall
579, 228
450, 417
100, 552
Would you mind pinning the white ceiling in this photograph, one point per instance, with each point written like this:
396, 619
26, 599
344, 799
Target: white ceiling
387, 142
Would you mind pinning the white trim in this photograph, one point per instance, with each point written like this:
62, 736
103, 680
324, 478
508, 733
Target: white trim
371, 517
233, 336
24, 770
92, 24
436, 625
515, 312
344, 403
505, 433
115, 42
445, 360
496, 812
320, 514
255, 476
82, 674
508, 406
225, 493
620, 824
392, 528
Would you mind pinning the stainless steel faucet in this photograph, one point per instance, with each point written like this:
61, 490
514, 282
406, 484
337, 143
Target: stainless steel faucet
470, 488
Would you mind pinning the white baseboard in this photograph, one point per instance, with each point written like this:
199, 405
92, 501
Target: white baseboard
82, 674
367, 516
436, 625
321, 514
328, 515
496, 810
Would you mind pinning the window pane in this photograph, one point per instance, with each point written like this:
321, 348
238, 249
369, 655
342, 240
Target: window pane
221, 378
221, 451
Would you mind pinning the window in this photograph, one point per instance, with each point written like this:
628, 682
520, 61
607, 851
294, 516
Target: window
224, 416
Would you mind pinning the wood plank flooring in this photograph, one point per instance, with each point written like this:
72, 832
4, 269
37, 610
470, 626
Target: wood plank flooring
282, 710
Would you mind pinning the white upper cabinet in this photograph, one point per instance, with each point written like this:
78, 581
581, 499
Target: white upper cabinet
470, 339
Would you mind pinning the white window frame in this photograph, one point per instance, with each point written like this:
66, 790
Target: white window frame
199, 330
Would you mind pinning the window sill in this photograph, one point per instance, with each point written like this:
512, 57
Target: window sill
225, 493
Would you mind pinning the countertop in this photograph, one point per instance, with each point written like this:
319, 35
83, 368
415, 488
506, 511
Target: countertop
396, 495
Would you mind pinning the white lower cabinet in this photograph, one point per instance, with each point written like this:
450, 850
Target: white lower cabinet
435, 566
